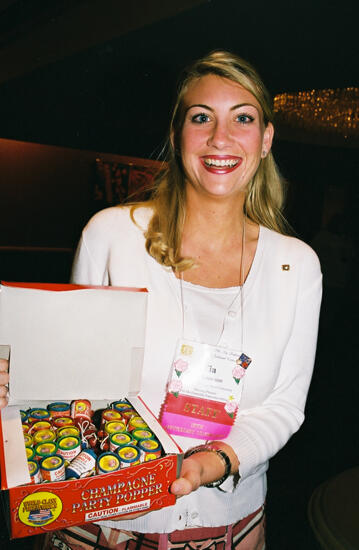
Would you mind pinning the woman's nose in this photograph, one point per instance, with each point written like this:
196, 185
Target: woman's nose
220, 136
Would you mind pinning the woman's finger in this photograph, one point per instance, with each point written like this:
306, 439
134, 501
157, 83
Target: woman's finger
3, 396
4, 365
4, 375
181, 487
189, 480
4, 378
3, 402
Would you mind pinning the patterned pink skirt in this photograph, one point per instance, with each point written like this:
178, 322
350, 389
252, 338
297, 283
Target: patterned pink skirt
246, 534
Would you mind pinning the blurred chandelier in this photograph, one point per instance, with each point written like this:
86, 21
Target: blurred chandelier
325, 117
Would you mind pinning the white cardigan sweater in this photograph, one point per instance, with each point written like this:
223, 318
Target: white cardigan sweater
281, 298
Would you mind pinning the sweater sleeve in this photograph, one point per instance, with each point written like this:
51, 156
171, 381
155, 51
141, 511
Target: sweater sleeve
91, 257
260, 432
110, 246
84, 269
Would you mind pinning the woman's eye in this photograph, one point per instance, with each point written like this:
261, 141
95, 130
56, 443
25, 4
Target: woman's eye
244, 119
200, 118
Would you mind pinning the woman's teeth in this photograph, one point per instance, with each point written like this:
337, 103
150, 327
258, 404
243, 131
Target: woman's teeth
222, 162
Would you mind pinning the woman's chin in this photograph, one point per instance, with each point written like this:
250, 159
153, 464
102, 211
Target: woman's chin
221, 193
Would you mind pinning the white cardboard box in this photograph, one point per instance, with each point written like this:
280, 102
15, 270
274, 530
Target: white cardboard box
68, 342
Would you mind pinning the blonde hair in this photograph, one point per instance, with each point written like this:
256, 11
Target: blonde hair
265, 192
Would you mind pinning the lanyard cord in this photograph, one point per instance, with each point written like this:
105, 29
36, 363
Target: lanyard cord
241, 282
182, 304
240, 293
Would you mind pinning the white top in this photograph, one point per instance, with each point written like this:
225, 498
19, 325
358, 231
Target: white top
281, 300
208, 312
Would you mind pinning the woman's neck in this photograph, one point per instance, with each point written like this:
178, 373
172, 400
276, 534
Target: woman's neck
214, 223
216, 234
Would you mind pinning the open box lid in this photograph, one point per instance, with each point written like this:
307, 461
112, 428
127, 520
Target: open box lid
69, 341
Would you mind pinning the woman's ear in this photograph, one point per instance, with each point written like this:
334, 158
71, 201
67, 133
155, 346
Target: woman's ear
267, 139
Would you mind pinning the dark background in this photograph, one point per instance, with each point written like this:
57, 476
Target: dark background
65, 82
100, 76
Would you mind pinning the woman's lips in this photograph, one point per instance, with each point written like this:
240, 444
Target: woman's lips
221, 164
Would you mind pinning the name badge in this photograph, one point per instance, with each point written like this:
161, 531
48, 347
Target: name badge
204, 390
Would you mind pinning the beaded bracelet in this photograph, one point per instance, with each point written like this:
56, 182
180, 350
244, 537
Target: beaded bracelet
223, 456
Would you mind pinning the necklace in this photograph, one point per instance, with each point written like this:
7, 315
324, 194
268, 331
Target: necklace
204, 387
239, 294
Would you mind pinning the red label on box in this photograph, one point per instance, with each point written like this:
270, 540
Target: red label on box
36, 509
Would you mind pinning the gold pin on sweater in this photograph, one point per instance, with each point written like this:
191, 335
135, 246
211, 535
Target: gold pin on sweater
285, 267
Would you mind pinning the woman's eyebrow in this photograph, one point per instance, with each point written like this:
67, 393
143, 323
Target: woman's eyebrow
203, 106
199, 105
243, 105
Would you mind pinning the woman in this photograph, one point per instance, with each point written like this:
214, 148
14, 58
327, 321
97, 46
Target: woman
210, 248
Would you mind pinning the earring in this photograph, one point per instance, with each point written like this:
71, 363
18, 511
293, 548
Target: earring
264, 154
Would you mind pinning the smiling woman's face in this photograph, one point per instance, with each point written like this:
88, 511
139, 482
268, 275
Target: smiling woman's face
223, 136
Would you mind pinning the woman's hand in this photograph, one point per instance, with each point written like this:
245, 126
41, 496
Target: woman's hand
202, 468
4, 380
